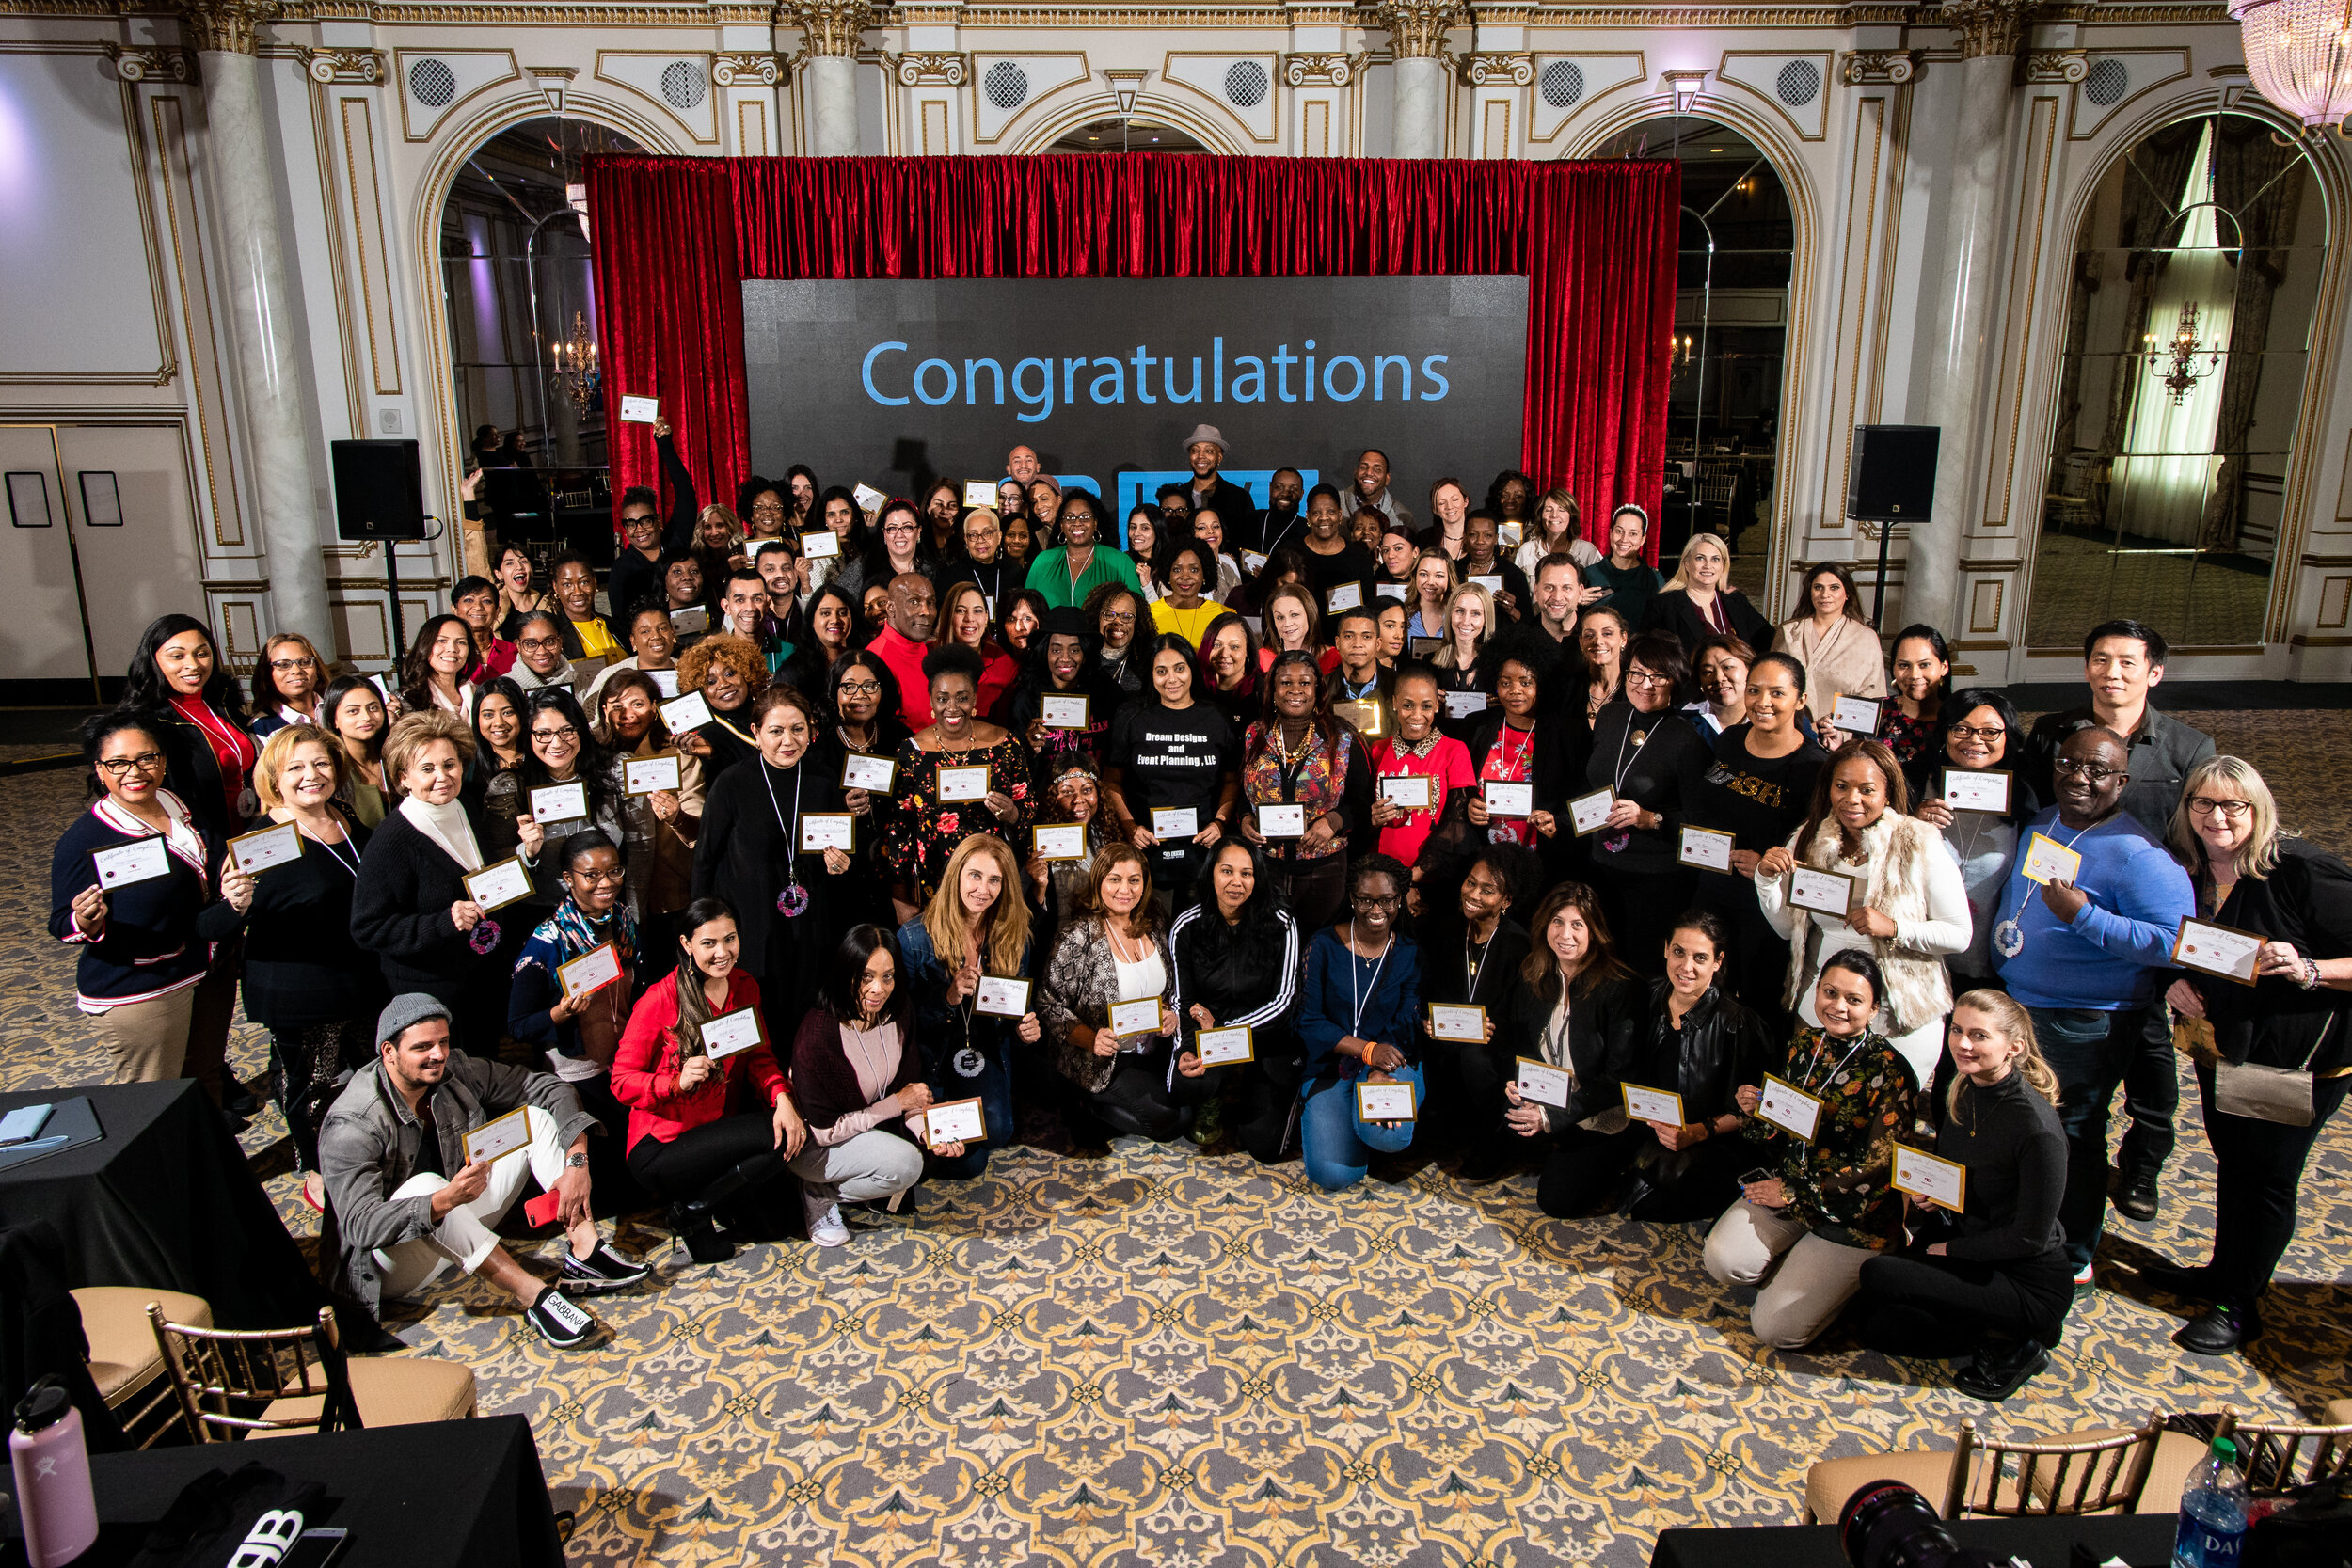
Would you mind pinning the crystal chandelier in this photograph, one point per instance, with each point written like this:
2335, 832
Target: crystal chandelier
2177, 363
575, 369
2299, 53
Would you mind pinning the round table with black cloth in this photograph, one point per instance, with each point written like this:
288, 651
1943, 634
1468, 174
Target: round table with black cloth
166, 1200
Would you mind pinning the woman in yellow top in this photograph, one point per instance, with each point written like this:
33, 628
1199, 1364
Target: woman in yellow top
1185, 568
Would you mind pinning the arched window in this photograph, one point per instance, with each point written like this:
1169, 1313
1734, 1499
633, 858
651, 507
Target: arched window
2196, 274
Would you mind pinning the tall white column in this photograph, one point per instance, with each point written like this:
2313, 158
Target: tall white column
1962, 302
1417, 31
272, 373
831, 75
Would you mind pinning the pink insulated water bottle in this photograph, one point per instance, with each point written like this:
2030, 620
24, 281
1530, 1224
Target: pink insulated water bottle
51, 1463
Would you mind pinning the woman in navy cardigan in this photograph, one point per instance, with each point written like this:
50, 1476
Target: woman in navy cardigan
128, 884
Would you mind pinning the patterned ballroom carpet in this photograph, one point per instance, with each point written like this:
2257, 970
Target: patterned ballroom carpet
1170, 1359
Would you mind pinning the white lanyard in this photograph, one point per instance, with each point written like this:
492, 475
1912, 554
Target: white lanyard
1625, 766
1473, 969
1356, 1023
791, 847
352, 864
1806, 1082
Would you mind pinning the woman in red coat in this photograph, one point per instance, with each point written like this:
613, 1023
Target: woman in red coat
693, 1051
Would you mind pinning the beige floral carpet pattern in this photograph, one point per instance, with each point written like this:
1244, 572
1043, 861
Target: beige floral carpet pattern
1168, 1359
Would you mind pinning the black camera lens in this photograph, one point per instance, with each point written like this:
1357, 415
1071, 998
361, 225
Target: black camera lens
1888, 1525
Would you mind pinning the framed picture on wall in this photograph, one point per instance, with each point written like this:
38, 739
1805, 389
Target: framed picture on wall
28, 499
102, 503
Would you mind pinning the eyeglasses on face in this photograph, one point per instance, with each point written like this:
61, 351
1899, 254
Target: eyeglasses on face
119, 768
2090, 771
1639, 676
860, 689
2206, 805
600, 879
1990, 734
1118, 617
566, 732
1377, 901
540, 644
284, 665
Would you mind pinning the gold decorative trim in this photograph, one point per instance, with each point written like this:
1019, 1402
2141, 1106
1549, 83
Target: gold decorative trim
446, 112
945, 68
1988, 29
162, 63
1864, 192
1314, 130
2053, 66
1320, 71
338, 258
1875, 68
751, 127
205, 401
1980, 619
1498, 68
2039, 144
348, 66
367, 232
223, 585
1417, 28
2086, 119
226, 25
746, 70
830, 27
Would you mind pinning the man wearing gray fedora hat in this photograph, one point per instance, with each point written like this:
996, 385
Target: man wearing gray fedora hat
1205, 451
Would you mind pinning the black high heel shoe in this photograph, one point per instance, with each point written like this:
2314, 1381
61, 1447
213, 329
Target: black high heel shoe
700, 1233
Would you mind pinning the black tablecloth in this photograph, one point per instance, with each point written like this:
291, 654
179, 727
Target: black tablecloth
443, 1495
165, 1201
2142, 1540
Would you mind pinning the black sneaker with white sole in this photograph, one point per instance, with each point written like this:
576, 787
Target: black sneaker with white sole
559, 1321
601, 1270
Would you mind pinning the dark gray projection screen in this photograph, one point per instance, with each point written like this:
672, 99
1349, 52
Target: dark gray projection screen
893, 383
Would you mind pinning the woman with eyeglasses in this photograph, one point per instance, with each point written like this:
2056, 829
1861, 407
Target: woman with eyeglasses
991, 769
1298, 754
1170, 757
353, 712
975, 926
979, 558
1698, 601
440, 670
539, 659
1116, 615
661, 827
897, 548
287, 680
730, 672
1908, 905
1074, 568
862, 697
1116, 951
411, 906
561, 749
1359, 1019
2271, 1059
1981, 731
142, 955
1645, 754
306, 981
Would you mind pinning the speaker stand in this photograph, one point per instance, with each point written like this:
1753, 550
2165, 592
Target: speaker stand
1878, 593
400, 633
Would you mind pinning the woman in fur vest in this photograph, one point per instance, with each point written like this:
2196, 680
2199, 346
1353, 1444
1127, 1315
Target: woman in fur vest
1906, 904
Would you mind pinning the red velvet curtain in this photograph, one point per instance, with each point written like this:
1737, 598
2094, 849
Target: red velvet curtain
675, 237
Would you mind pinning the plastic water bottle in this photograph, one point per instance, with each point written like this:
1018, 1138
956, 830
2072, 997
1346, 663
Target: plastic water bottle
2213, 1512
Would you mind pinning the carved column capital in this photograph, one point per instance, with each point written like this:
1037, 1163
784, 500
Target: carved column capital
1988, 29
1417, 28
933, 70
152, 65
2053, 66
1494, 68
831, 26
1319, 71
225, 27
356, 67
1881, 67
746, 70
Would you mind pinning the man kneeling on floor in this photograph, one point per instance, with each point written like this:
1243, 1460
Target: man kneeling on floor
407, 1201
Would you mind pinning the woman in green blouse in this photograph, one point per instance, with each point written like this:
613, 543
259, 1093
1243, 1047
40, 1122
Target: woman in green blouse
1827, 1204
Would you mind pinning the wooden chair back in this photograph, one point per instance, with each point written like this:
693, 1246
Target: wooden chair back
2276, 1458
225, 1379
2015, 1480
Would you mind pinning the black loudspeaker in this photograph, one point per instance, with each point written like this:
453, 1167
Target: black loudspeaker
1893, 477
379, 490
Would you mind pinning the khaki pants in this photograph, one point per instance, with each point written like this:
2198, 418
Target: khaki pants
1804, 1280
148, 1040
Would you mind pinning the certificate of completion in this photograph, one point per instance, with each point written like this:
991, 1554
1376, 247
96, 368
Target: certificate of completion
1544, 1083
1457, 1021
1384, 1102
829, 830
687, 621
565, 802
1492, 582
1001, 996
1278, 821
1062, 713
1855, 715
256, 852
1062, 841
1252, 563
1411, 791
1389, 590
875, 774
1705, 848
2222, 950
729, 1033
141, 861
955, 1122
1347, 596
689, 712
493, 887
1941, 1181
1789, 1108
1965, 791
491, 1139
963, 783
1509, 799
1461, 704
1826, 891
591, 972
1589, 814
1137, 1018
1174, 822
1660, 1105
979, 493
1225, 1047
664, 682
820, 543
640, 410
650, 775
2048, 861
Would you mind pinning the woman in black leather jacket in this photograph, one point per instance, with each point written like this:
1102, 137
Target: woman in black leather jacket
1574, 1004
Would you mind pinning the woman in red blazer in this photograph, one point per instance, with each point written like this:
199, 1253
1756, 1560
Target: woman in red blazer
695, 1049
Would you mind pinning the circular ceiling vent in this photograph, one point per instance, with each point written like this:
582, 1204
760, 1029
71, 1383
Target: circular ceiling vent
1006, 84
1564, 83
1800, 82
2106, 82
1245, 84
432, 82
682, 85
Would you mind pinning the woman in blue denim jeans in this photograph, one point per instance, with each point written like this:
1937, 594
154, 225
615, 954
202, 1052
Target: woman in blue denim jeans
1358, 1018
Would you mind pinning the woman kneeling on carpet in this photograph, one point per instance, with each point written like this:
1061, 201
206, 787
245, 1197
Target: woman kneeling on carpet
1803, 1233
1359, 1015
858, 1071
1993, 1279
691, 1044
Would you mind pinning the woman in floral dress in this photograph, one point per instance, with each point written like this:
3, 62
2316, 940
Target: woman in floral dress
923, 829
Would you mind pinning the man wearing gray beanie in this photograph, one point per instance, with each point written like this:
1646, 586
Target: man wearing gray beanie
424, 1152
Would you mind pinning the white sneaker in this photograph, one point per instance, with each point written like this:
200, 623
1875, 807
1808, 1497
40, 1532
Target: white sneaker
829, 1230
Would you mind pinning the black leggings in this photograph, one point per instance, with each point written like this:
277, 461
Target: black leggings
1136, 1101
708, 1162
1315, 890
1942, 1309
306, 1061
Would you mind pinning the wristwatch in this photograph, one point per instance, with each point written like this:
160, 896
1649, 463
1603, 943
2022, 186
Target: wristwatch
576, 1161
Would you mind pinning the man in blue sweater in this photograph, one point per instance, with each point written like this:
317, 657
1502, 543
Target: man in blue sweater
2085, 956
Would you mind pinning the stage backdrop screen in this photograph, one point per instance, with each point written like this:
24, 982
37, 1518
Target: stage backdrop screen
895, 384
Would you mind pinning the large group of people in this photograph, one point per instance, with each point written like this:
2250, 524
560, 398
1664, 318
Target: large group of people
841, 848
